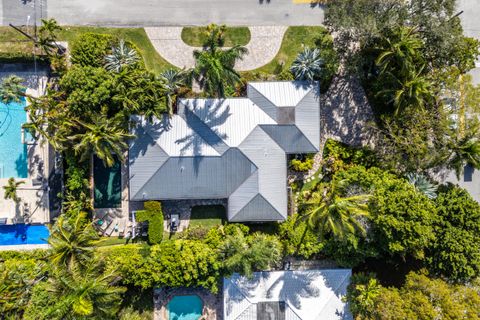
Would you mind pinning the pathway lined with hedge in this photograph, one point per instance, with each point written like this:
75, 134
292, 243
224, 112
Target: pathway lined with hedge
265, 42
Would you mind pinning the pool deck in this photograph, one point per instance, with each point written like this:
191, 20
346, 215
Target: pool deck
24, 247
34, 204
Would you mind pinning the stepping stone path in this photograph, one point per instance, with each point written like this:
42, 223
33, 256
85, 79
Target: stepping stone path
265, 42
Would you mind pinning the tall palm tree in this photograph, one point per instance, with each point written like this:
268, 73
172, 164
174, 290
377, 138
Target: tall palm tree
105, 138
11, 190
307, 65
464, 149
72, 242
214, 68
247, 254
84, 292
12, 89
173, 80
328, 211
121, 57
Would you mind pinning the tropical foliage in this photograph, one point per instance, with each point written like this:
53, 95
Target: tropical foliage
307, 65
10, 190
122, 56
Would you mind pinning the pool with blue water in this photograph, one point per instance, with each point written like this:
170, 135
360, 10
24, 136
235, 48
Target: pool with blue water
23, 234
13, 153
187, 307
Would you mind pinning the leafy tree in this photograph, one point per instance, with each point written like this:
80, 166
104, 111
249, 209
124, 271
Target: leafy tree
105, 138
72, 241
330, 212
47, 36
456, 252
362, 293
122, 56
90, 49
214, 68
307, 65
246, 254
11, 190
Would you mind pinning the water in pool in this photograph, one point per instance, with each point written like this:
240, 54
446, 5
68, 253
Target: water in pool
13, 153
185, 308
23, 234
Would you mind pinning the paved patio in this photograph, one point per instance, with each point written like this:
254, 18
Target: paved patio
264, 45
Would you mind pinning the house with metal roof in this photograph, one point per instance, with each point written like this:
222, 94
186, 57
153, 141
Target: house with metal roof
287, 295
233, 149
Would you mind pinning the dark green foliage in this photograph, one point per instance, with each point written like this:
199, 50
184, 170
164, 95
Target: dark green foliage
298, 239
90, 49
421, 298
456, 253
346, 155
152, 214
329, 56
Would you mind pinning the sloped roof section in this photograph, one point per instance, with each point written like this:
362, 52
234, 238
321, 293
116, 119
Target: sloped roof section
306, 295
228, 148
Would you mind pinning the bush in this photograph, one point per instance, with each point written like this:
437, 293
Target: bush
90, 49
456, 253
302, 165
154, 216
298, 239
345, 155
328, 54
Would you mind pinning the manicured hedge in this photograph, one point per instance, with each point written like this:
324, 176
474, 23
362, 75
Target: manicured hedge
154, 215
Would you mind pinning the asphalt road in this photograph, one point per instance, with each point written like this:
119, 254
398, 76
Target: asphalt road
163, 12
471, 26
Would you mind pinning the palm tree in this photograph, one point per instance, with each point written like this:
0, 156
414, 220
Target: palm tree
11, 89
214, 68
11, 190
464, 150
47, 36
247, 254
105, 138
307, 65
84, 292
121, 57
72, 241
422, 184
173, 80
331, 213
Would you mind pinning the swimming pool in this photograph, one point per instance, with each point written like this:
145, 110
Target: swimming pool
13, 153
185, 308
23, 234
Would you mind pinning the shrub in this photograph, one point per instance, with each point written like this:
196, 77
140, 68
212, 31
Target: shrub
154, 216
90, 49
345, 155
328, 54
302, 165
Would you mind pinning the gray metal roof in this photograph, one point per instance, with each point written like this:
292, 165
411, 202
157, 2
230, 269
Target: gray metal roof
306, 295
227, 148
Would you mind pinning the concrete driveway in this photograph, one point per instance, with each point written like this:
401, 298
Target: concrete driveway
163, 12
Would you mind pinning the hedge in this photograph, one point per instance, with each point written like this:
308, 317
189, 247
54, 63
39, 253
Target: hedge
154, 215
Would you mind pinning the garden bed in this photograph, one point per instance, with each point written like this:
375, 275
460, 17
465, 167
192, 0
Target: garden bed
196, 36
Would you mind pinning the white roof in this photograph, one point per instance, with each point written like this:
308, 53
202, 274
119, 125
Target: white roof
282, 94
231, 119
308, 295
178, 139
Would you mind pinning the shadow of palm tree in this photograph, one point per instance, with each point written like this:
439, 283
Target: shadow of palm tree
303, 283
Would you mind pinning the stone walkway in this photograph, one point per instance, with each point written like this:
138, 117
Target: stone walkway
264, 44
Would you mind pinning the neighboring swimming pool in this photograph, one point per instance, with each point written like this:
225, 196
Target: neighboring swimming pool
23, 234
13, 153
185, 308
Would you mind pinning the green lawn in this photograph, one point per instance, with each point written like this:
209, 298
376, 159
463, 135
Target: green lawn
195, 36
293, 41
207, 216
13, 42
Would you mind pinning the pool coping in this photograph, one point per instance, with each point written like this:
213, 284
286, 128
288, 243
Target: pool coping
24, 247
162, 297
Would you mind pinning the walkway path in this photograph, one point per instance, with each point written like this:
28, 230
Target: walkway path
265, 41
